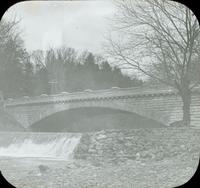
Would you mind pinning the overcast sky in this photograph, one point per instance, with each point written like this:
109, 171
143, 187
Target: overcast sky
78, 24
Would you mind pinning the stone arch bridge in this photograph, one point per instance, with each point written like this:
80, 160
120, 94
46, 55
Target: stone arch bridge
161, 104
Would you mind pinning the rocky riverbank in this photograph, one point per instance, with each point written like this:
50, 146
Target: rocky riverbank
138, 144
83, 174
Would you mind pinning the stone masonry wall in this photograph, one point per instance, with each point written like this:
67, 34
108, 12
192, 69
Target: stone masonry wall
138, 144
164, 108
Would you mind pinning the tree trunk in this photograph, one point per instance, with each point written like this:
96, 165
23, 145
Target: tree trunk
186, 98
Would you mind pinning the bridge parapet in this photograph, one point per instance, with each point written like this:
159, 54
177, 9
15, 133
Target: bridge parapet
112, 93
92, 95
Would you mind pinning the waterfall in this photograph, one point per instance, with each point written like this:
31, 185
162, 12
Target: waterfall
39, 145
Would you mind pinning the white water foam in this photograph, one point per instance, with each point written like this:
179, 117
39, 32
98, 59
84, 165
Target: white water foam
39, 145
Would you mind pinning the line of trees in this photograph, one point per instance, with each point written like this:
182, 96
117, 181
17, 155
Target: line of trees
63, 69
52, 71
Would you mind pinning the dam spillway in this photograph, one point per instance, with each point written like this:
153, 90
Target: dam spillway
58, 146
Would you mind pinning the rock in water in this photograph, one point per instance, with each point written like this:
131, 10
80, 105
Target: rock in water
43, 168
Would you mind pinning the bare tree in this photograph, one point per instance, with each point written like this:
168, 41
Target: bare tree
161, 40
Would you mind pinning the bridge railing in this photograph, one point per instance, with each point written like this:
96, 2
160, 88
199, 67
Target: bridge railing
86, 94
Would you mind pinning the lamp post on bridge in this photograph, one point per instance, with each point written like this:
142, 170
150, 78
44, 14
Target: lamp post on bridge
53, 86
1, 99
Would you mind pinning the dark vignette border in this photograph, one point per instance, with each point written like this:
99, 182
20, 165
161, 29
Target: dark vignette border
195, 7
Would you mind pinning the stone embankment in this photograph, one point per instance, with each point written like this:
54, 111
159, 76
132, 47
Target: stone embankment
138, 144
8, 123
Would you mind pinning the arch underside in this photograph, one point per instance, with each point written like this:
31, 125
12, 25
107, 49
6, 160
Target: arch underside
81, 119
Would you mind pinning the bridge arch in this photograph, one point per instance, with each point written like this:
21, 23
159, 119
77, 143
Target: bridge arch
162, 105
87, 118
158, 108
